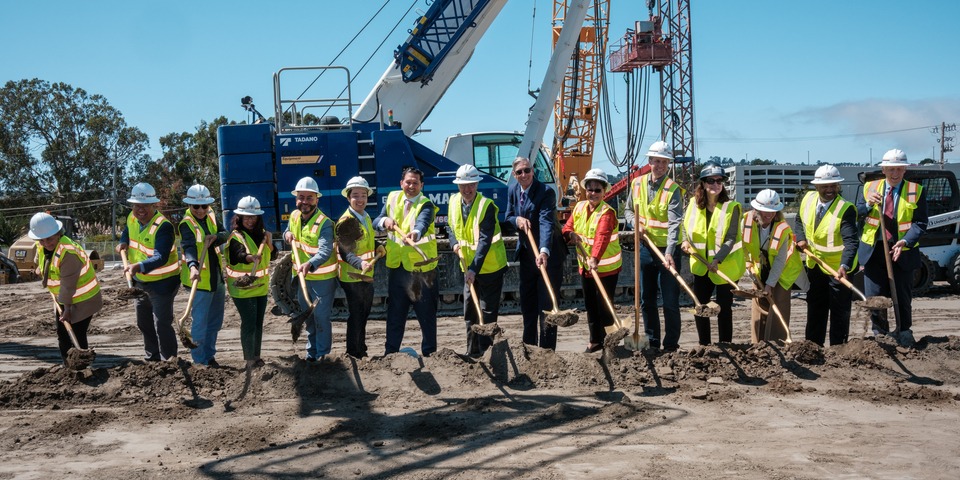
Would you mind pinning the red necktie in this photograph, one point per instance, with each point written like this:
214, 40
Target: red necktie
888, 213
406, 208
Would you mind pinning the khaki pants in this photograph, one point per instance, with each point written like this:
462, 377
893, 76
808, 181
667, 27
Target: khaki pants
764, 323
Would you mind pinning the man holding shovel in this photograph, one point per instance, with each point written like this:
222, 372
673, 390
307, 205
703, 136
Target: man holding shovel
310, 233
200, 231
148, 240
826, 227
475, 237
903, 206
654, 207
408, 218
356, 266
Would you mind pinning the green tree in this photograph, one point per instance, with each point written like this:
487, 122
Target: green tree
60, 148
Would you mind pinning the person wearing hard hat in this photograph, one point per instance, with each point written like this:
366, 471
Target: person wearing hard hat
148, 238
408, 217
67, 272
249, 252
772, 257
313, 233
475, 236
826, 227
903, 205
532, 207
199, 230
654, 207
594, 225
358, 261
711, 227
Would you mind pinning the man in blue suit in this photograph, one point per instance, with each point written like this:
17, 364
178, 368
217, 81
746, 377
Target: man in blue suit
531, 206
903, 205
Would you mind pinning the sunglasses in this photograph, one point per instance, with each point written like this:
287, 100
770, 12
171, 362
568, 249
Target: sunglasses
713, 181
595, 190
199, 207
522, 171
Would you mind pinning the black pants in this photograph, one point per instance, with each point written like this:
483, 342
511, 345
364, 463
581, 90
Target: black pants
489, 287
252, 311
827, 299
399, 302
534, 299
598, 314
703, 288
875, 282
63, 338
359, 302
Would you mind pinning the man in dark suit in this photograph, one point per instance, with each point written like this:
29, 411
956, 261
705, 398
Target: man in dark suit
904, 208
531, 206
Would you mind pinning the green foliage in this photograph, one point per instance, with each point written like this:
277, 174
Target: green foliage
10, 230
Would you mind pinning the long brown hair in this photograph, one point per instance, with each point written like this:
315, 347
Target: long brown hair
256, 234
700, 195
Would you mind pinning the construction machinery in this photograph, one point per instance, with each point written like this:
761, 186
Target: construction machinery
23, 254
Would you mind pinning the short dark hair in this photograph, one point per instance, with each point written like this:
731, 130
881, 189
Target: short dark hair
414, 170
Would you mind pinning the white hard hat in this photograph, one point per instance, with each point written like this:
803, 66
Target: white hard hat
595, 174
43, 225
198, 195
711, 169
660, 149
767, 201
356, 182
894, 158
307, 184
467, 174
248, 206
826, 174
143, 193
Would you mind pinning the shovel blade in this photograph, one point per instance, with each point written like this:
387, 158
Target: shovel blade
297, 322
426, 262
79, 359
613, 339
561, 318
487, 329
357, 276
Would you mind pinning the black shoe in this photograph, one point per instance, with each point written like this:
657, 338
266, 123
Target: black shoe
670, 349
213, 363
594, 347
311, 359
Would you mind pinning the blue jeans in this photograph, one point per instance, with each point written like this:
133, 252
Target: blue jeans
207, 314
653, 277
155, 318
319, 336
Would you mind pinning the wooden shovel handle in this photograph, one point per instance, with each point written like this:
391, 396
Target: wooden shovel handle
193, 284
889, 262
672, 270
603, 291
833, 272
296, 262
376, 257
473, 291
543, 270
126, 263
66, 325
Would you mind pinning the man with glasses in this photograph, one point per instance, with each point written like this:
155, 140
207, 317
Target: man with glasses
199, 230
654, 208
408, 218
313, 233
148, 238
532, 207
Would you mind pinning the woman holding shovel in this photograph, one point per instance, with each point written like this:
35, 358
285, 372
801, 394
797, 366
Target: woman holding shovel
712, 230
248, 274
68, 274
475, 237
357, 257
595, 224
772, 257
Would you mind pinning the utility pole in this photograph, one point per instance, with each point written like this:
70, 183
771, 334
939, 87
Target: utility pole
945, 141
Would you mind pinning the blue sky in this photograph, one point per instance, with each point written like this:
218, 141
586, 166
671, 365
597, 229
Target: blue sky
779, 80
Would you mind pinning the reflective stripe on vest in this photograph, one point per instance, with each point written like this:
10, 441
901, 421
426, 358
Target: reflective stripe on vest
87, 284
308, 235
398, 252
825, 239
906, 204
706, 239
365, 248
141, 247
653, 211
467, 232
194, 225
233, 272
780, 235
585, 226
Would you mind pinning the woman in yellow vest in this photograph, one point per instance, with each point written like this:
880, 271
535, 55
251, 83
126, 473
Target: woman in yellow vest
359, 293
69, 275
772, 256
594, 223
711, 227
245, 260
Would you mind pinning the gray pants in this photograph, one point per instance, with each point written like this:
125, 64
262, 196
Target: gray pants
155, 318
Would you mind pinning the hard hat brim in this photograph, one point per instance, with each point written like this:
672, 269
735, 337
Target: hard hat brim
659, 155
466, 181
294, 192
143, 201
248, 213
346, 191
36, 236
764, 208
826, 181
198, 201
886, 163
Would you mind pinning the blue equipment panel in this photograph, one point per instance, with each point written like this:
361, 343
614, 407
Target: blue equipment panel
237, 139
246, 168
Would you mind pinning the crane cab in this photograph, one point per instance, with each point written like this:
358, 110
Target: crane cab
642, 46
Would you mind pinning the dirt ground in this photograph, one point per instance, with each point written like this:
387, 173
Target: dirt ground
864, 409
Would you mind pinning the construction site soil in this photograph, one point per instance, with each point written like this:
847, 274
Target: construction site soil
868, 408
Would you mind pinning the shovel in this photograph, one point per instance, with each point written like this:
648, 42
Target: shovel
485, 329
77, 358
633, 342
710, 309
889, 261
185, 337
776, 310
131, 291
426, 260
417, 278
296, 323
871, 303
362, 275
752, 293
560, 318
248, 279
617, 331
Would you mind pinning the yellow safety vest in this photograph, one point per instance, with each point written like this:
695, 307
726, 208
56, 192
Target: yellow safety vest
907, 203
585, 226
194, 225
87, 285
825, 240
366, 248
141, 248
308, 234
652, 210
781, 236
399, 252
234, 271
706, 239
468, 232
